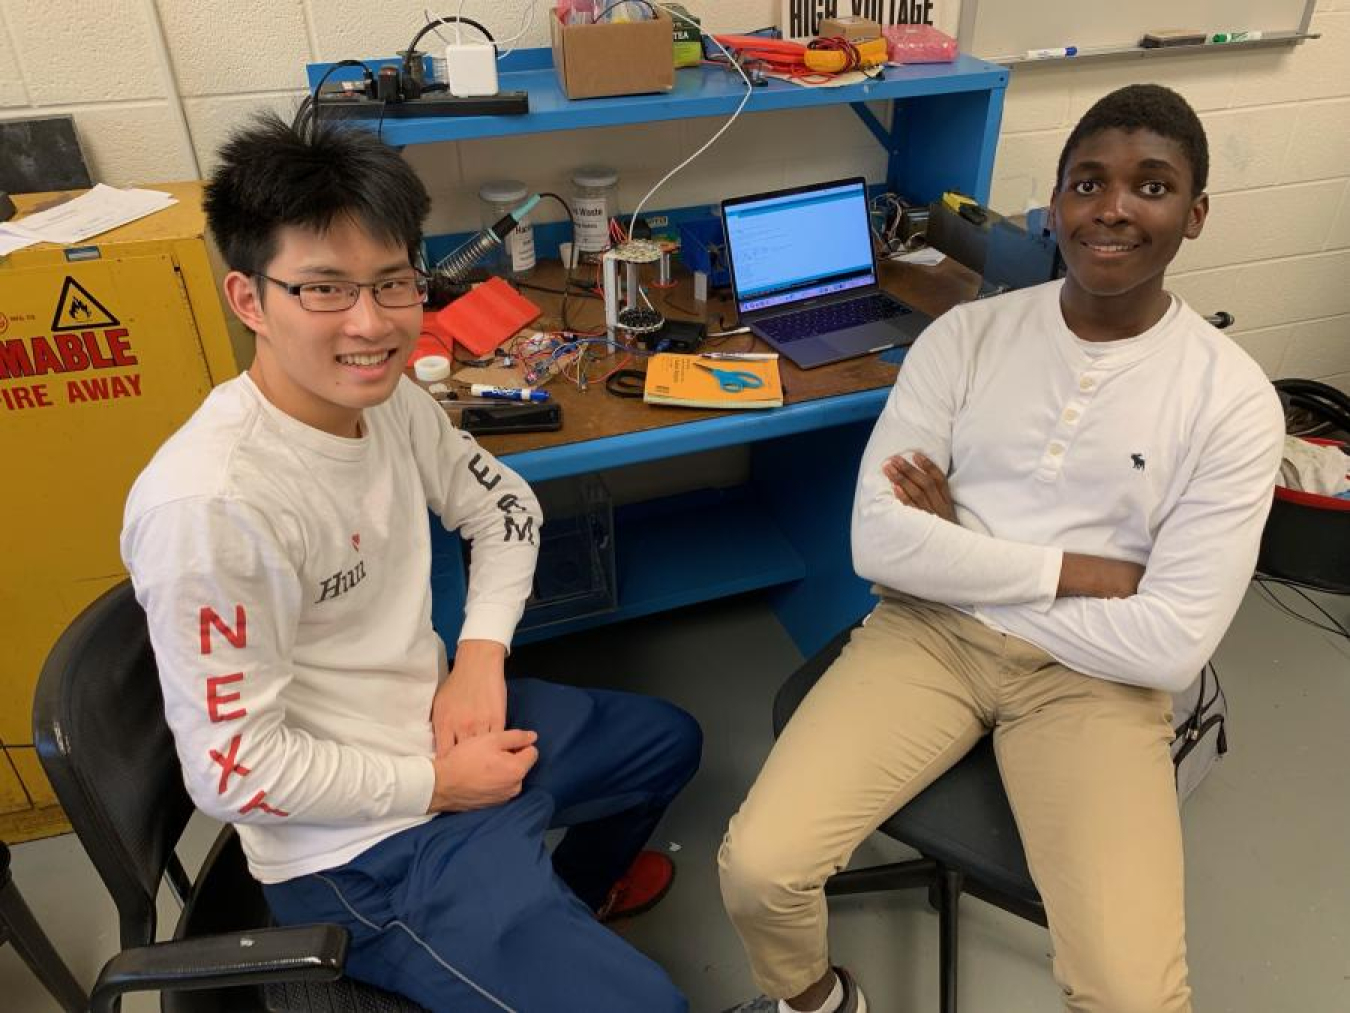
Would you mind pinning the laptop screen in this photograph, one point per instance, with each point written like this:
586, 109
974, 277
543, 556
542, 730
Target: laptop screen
799, 244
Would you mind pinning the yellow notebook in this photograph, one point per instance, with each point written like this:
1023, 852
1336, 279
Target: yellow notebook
689, 380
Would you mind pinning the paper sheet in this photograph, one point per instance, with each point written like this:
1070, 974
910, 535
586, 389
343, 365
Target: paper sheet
821, 80
11, 240
925, 257
102, 208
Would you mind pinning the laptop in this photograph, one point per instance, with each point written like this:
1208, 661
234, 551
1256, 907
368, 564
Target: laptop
805, 277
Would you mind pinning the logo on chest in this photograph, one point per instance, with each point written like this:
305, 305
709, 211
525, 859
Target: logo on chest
1138, 461
341, 582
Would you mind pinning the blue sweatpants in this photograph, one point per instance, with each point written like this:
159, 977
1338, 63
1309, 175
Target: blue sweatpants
469, 912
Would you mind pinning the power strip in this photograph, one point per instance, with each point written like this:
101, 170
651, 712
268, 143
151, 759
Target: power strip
339, 104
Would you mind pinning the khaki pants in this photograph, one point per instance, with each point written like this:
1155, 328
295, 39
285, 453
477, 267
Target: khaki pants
1085, 763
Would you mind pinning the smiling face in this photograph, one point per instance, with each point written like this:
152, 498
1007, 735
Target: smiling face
325, 368
1120, 213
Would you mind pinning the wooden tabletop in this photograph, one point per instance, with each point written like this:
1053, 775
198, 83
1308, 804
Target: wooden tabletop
595, 413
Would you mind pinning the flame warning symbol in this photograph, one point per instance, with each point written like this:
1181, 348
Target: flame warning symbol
77, 309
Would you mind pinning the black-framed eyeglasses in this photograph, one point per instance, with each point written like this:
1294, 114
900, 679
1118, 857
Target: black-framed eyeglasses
337, 296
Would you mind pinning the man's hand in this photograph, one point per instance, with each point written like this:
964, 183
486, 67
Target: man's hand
920, 484
1097, 577
482, 771
472, 699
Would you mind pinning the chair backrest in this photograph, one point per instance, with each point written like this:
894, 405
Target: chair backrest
98, 724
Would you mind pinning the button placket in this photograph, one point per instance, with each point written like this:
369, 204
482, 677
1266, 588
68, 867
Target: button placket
1066, 426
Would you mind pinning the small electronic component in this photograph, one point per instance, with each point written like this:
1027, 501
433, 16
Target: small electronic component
967, 207
683, 336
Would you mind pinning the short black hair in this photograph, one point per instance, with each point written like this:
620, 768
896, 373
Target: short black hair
271, 175
1145, 107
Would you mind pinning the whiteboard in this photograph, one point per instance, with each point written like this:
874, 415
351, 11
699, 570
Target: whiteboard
1004, 30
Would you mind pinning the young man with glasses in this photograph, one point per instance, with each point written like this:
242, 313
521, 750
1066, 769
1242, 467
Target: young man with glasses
279, 545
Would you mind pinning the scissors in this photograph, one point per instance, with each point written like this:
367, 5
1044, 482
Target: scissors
733, 381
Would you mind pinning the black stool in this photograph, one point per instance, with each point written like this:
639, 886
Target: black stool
961, 825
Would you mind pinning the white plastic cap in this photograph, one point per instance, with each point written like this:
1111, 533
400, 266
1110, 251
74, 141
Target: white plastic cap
595, 176
431, 368
503, 191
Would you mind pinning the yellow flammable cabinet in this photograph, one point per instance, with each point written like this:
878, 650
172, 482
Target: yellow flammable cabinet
105, 349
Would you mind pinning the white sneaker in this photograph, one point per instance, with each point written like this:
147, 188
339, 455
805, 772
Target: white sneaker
854, 1000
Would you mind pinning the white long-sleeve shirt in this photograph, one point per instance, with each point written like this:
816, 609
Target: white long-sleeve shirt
1161, 449
285, 573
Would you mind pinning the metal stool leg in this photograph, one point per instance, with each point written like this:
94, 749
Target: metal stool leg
949, 892
32, 945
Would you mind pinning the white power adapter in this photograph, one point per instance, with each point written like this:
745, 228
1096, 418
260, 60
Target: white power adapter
471, 68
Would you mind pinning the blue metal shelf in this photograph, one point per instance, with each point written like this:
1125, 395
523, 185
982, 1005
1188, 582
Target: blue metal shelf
943, 132
699, 91
668, 557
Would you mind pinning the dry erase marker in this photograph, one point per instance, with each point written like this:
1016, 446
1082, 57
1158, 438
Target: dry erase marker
507, 393
1219, 38
1057, 53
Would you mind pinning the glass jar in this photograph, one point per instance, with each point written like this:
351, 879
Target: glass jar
515, 257
593, 198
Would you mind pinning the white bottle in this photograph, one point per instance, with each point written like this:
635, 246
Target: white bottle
593, 188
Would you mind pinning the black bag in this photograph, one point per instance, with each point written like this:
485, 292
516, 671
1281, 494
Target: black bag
1200, 737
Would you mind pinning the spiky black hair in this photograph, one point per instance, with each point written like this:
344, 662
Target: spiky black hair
1145, 107
271, 175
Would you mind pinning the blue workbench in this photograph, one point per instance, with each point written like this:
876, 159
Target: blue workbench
785, 531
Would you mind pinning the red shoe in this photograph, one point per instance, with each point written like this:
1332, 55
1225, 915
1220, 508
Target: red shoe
647, 880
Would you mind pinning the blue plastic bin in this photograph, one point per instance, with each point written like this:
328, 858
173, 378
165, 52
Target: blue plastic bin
703, 247
575, 574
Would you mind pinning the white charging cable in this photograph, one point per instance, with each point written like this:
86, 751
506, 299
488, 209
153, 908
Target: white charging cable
526, 26
749, 90
527, 22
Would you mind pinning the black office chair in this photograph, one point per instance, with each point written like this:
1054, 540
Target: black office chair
98, 722
961, 824
18, 926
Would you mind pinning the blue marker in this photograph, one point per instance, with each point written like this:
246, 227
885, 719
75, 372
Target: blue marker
1057, 53
507, 393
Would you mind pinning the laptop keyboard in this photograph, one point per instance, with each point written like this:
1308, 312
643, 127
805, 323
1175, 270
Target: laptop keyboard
830, 318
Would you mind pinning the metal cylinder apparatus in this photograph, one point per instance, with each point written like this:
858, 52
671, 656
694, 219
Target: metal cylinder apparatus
631, 283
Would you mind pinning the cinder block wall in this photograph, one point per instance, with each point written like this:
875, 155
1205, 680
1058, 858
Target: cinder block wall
155, 85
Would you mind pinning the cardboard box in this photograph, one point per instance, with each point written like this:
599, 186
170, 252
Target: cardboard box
623, 58
688, 36
852, 27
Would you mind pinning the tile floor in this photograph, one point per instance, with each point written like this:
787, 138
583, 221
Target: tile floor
1267, 835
